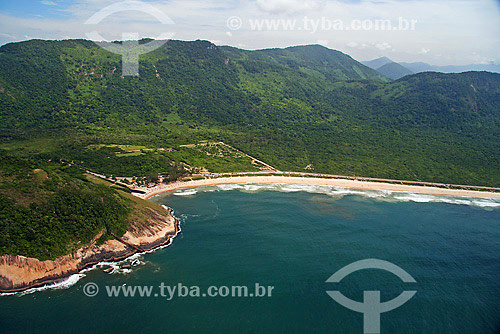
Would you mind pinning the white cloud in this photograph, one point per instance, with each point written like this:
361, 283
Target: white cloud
384, 46
444, 34
7, 35
288, 6
480, 59
48, 3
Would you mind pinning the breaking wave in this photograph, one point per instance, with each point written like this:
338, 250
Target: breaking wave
134, 260
339, 192
186, 192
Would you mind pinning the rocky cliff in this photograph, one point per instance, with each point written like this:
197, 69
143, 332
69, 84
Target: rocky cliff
18, 273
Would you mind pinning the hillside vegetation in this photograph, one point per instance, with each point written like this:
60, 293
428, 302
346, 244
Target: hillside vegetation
291, 108
50, 209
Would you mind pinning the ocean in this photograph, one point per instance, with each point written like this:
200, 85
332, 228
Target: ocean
292, 238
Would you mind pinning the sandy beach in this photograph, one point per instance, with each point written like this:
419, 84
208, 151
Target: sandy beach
353, 184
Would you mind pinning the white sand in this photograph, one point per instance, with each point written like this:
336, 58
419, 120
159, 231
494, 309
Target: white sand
353, 184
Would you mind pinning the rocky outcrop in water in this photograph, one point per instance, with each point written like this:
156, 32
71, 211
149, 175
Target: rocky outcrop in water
18, 273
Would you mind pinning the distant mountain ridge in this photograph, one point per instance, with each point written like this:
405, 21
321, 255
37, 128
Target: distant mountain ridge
418, 67
377, 63
422, 67
394, 71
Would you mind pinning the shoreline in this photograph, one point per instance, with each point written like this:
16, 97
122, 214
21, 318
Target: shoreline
19, 273
344, 183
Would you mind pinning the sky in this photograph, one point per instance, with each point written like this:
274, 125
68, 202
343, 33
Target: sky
439, 32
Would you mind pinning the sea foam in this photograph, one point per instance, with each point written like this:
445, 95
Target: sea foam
339, 192
63, 284
134, 260
186, 192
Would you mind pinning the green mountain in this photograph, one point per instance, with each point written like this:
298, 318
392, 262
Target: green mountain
291, 108
393, 71
318, 59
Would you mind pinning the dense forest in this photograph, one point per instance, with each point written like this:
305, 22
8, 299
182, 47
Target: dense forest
65, 108
50, 211
291, 108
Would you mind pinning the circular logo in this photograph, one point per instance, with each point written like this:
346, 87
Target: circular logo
90, 289
371, 307
234, 23
129, 49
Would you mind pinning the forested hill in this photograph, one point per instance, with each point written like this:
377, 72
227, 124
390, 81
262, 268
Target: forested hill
291, 107
48, 209
312, 59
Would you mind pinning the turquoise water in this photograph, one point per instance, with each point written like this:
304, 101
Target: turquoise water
294, 240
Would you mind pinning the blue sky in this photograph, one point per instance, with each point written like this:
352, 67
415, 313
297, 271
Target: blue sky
30, 8
445, 32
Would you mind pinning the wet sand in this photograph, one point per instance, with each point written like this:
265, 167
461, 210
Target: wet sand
345, 183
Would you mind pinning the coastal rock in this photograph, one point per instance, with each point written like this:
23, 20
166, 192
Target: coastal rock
18, 273
108, 270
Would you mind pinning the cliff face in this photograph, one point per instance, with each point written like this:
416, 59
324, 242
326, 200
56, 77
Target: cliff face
19, 273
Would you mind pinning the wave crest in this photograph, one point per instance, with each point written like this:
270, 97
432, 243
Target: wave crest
339, 192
